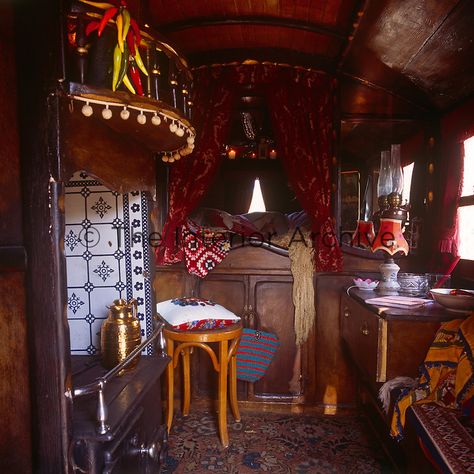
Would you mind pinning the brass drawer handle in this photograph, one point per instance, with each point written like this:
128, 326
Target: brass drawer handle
346, 312
364, 330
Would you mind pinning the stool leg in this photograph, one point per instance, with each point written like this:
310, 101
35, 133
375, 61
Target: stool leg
222, 389
186, 382
170, 380
233, 388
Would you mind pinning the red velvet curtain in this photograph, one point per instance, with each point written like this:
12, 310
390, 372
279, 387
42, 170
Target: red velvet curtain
301, 106
191, 176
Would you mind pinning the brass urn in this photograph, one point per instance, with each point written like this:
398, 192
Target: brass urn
120, 334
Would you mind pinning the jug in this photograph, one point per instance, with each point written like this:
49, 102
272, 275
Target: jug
120, 334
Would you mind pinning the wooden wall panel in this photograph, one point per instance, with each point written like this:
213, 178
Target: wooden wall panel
15, 427
15, 443
10, 193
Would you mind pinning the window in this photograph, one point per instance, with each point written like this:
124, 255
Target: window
466, 204
407, 175
257, 204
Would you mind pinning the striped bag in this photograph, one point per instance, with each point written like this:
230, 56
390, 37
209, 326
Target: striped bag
255, 352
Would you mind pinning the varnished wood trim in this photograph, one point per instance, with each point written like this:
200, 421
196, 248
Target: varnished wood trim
12, 259
382, 351
279, 56
377, 118
254, 20
365, 82
358, 15
466, 201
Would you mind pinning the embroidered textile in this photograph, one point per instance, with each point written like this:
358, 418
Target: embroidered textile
447, 374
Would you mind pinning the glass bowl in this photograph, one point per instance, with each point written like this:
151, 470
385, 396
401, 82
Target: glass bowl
366, 284
413, 284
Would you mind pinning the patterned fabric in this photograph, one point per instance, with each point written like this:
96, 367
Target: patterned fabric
191, 313
447, 375
203, 249
448, 444
255, 353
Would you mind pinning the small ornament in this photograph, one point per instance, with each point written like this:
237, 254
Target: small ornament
176, 156
141, 118
179, 132
87, 110
164, 158
173, 127
107, 113
171, 159
125, 114
156, 120
190, 139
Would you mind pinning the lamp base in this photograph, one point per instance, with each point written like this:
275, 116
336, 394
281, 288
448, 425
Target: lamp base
389, 284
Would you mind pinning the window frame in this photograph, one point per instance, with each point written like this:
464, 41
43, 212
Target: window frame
464, 201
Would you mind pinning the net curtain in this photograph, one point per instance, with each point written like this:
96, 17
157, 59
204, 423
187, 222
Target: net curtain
301, 108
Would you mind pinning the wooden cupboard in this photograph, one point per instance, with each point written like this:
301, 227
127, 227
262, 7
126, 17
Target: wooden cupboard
257, 285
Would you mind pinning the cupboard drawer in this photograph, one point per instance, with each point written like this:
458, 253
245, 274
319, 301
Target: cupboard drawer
384, 347
365, 335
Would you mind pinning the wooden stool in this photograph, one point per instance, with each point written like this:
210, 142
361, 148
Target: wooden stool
226, 356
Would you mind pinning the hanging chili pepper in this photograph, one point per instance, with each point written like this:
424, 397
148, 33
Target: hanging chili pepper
131, 43
116, 69
136, 32
127, 82
136, 79
123, 65
92, 26
138, 60
119, 23
109, 14
126, 23
101, 5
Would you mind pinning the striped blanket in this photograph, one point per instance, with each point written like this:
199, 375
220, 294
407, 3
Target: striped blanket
447, 374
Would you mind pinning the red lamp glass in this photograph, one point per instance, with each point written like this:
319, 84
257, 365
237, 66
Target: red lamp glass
390, 240
364, 234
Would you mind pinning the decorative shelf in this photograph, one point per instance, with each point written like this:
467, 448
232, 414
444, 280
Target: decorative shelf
157, 119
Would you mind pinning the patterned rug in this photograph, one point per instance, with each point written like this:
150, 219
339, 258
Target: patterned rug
275, 443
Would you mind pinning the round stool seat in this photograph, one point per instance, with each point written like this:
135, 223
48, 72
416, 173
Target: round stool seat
223, 360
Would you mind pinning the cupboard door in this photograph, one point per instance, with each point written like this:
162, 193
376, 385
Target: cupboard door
273, 311
360, 332
229, 291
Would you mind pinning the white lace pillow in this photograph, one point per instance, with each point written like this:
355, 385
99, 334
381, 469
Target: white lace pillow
189, 313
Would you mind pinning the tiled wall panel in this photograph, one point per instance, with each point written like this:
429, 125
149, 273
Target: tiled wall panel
107, 257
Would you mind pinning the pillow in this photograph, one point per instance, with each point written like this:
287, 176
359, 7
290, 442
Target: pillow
188, 313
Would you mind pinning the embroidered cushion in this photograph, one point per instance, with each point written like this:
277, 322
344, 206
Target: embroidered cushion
188, 313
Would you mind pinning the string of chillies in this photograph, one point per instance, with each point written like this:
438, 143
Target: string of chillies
126, 57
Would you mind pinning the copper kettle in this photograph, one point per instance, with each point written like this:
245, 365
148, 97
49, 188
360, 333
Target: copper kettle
120, 333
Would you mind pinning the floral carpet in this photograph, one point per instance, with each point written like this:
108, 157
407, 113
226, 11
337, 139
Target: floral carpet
274, 443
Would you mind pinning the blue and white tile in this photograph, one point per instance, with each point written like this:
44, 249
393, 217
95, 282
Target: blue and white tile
104, 271
77, 271
77, 303
73, 244
101, 207
74, 203
101, 299
106, 240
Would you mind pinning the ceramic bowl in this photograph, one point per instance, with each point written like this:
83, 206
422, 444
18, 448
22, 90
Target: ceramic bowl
367, 284
457, 303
